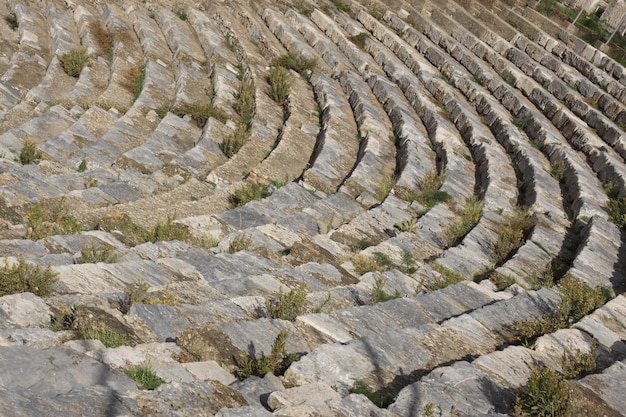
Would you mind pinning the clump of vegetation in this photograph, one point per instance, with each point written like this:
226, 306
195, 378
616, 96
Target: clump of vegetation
232, 144
245, 103
384, 188
544, 280
167, 230
110, 337
430, 194
21, 276
279, 84
616, 209
521, 122
359, 39
511, 235
580, 364
341, 6
137, 293
134, 79
29, 153
379, 294
558, 170
131, 233
408, 262
577, 300
248, 192
200, 112
104, 38
277, 362
509, 78
287, 306
551, 7
74, 61
182, 15
91, 254
448, 277
48, 218
363, 264
82, 167
379, 400
239, 243
407, 225
144, 376
545, 396
469, 218
11, 20
298, 63
501, 281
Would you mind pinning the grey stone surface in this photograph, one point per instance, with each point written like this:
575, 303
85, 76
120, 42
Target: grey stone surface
26, 310
256, 390
31, 369
164, 320
457, 388
607, 385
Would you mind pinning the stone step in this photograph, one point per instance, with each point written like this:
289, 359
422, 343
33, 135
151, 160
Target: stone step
172, 137
507, 371
549, 139
599, 261
153, 43
297, 139
415, 158
372, 359
180, 36
611, 107
361, 62
319, 41
376, 160
336, 152
610, 133
29, 64
290, 38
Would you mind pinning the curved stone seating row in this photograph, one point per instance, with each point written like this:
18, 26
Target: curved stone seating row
318, 40
28, 65
290, 38
594, 56
55, 84
605, 162
610, 107
488, 384
610, 277
376, 160
179, 36
151, 38
64, 147
389, 360
416, 157
317, 331
334, 58
93, 78
587, 198
593, 73
450, 147
362, 62
172, 137
39, 128
610, 133
338, 142
606, 270
547, 237
375, 149
297, 138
